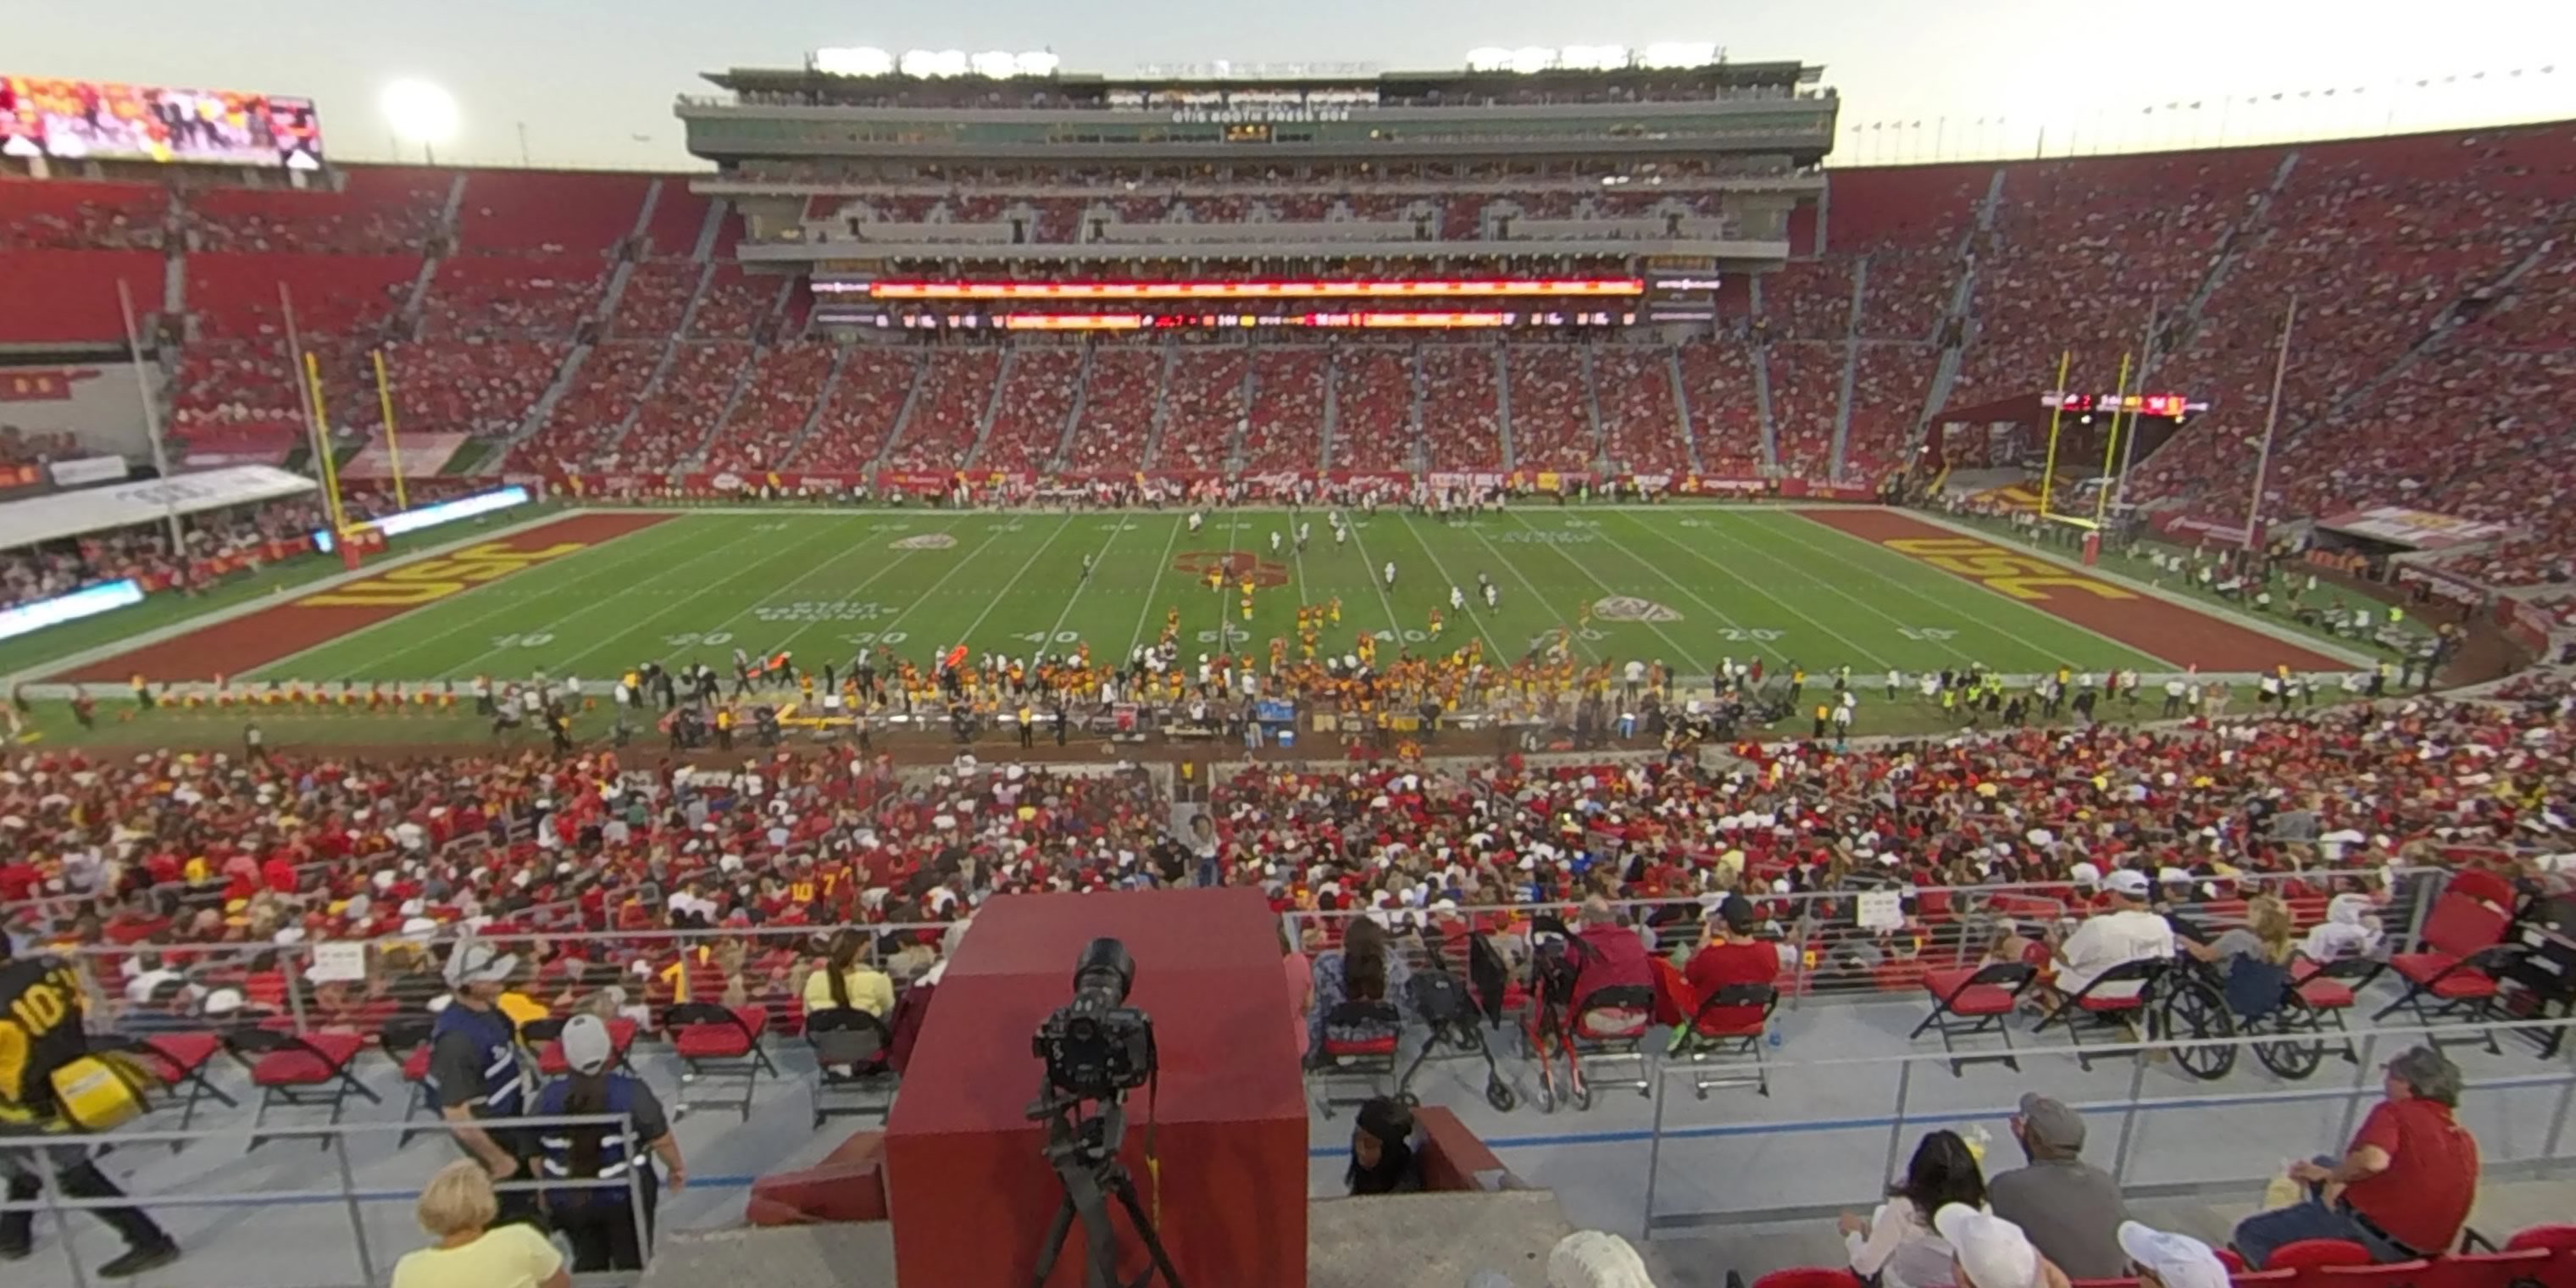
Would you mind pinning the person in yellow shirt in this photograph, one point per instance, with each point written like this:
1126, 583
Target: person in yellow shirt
847, 980
457, 1208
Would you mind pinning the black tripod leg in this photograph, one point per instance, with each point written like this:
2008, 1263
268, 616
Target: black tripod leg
1125, 1187
1053, 1248
1084, 1195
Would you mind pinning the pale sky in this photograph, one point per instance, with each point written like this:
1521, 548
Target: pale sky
1984, 77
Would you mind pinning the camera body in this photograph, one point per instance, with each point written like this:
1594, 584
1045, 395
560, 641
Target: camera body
1097, 1047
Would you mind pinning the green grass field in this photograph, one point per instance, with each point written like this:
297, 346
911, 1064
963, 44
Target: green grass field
1705, 583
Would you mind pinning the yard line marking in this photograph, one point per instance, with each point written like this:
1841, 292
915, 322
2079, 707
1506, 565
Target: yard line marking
1535, 597
1084, 584
1606, 588
1793, 610
826, 529
1154, 590
1443, 570
1005, 591
627, 559
989, 537
834, 562
2043, 614
1928, 600
1393, 622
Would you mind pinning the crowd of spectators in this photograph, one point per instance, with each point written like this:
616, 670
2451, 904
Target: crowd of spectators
860, 416
1552, 413
1642, 429
604, 392
1373, 405
1725, 410
484, 388
680, 412
1462, 412
1120, 405
1806, 389
948, 409
190, 850
778, 396
72, 215
1037, 398
210, 543
1285, 429
1206, 400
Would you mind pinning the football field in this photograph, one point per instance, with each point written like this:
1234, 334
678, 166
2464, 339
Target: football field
594, 593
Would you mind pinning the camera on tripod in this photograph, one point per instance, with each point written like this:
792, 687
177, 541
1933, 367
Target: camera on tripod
1096, 1046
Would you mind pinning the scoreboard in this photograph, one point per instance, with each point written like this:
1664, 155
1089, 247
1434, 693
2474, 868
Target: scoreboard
1681, 288
68, 120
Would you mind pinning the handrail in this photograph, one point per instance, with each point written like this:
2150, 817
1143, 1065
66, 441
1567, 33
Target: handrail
2365, 1064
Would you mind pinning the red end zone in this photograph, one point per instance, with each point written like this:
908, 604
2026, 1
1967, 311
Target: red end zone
2154, 626
254, 640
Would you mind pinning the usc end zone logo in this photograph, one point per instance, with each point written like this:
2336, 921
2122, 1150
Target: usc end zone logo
1238, 564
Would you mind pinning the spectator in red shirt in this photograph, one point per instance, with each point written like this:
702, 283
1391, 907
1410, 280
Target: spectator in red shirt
2403, 1189
1732, 956
1612, 954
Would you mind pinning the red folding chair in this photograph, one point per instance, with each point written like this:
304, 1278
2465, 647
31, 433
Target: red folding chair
2488, 1269
2326, 990
1726, 1035
2560, 1241
1969, 1001
2454, 974
2316, 1254
1360, 1039
2395, 1274
717, 1042
1809, 1277
301, 1071
181, 1060
2097, 1003
2242, 1278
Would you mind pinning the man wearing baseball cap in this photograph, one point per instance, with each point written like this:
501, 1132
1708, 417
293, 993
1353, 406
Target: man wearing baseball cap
1988, 1251
2402, 1189
2070, 1209
2170, 1260
2130, 931
474, 1070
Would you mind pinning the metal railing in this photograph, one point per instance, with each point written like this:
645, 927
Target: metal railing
2134, 1108
1828, 954
372, 1266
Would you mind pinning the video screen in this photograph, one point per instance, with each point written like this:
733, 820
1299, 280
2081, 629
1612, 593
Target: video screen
71, 120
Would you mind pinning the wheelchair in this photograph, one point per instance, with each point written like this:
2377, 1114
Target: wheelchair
1446, 1004
2247, 997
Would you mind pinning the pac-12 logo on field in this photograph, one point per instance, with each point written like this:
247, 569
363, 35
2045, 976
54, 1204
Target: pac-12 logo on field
925, 541
1629, 608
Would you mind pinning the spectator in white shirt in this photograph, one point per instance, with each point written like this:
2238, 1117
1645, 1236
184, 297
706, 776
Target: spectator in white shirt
1896, 1246
2130, 931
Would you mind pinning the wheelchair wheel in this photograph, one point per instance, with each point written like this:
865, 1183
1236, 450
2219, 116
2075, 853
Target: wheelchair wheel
2196, 1011
1583, 1097
1498, 1093
2292, 1058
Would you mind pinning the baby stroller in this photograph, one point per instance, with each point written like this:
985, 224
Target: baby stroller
1609, 1024
1445, 1003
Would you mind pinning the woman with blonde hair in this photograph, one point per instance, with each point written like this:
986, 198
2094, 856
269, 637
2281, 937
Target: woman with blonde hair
2268, 936
457, 1208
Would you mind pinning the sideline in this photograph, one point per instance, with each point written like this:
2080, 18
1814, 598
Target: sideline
2249, 621
219, 616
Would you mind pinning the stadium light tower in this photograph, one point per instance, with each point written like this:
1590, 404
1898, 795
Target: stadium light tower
420, 113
